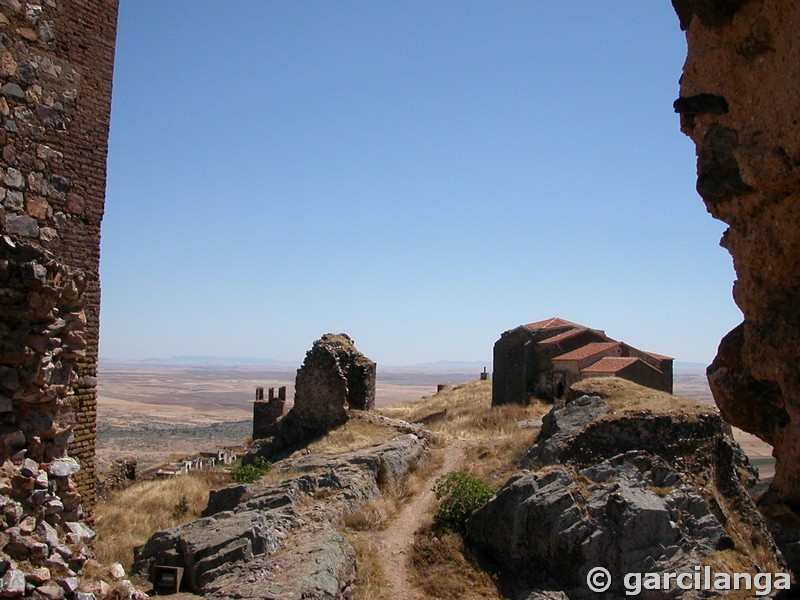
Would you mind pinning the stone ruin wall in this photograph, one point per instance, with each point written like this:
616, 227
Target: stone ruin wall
56, 63
739, 104
267, 413
334, 378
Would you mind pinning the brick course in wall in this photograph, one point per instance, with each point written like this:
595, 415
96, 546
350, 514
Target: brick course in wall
56, 65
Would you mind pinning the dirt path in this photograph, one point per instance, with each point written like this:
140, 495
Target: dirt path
396, 540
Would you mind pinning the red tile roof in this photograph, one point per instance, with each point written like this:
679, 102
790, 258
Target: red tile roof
610, 364
658, 356
587, 350
564, 335
552, 322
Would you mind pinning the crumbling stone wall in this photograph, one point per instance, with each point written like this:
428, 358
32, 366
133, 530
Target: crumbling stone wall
56, 61
122, 474
739, 103
335, 376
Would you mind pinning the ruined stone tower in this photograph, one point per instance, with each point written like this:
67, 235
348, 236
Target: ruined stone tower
334, 377
56, 62
266, 413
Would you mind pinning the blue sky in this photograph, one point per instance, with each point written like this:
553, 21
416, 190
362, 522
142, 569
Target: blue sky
421, 175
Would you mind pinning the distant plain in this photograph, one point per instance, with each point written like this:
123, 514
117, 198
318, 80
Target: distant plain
159, 413
162, 412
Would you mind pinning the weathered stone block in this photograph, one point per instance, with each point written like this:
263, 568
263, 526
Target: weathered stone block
22, 225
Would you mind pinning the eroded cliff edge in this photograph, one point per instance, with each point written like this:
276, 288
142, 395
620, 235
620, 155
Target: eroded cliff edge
738, 104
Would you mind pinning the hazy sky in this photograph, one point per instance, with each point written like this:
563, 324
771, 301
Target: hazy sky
422, 175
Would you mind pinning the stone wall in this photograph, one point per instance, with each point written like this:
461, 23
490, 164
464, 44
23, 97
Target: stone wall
122, 474
739, 104
334, 377
267, 413
56, 62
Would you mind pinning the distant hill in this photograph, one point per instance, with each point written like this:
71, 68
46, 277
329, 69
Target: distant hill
247, 361
203, 361
450, 365
689, 367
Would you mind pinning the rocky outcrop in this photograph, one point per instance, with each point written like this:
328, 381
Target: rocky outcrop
318, 564
278, 540
628, 491
560, 426
738, 104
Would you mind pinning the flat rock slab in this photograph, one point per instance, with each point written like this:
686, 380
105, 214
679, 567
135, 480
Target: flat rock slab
318, 564
277, 539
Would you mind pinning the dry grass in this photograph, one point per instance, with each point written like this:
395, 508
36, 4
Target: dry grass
369, 583
441, 568
355, 434
375, 515
626, 396
465, 411
495, 460
732, 561
131, 516
360, 527
752, 552
439, 565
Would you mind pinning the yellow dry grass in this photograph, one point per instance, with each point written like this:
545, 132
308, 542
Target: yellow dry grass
495, 459
355, 434
439, 565
752, 551
376, 515
359, 527
465, 411
131, 516
442, 569
626, 396
369, 582
733, 561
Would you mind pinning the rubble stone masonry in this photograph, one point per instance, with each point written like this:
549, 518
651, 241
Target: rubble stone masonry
56, 64
334, 378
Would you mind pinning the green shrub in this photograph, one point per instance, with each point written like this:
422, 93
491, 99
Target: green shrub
461, 494
181, 508
259, 462
249, 473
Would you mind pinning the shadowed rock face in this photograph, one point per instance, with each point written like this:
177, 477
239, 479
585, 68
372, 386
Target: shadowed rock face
738, 103
619, 490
